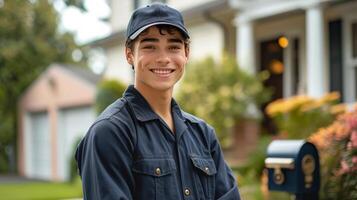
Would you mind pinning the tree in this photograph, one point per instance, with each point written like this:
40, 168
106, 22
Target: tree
29, 42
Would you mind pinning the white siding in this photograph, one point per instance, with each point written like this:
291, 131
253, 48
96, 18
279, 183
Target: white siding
118, 67
120, 14
203, 44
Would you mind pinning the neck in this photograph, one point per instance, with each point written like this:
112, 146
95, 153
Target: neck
159, 100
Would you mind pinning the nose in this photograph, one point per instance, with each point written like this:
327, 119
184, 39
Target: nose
163, 58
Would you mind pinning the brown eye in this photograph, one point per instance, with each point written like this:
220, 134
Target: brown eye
149, 47
175, 48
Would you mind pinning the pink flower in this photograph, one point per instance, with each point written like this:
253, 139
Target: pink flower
354, 159
354, 138
344, 168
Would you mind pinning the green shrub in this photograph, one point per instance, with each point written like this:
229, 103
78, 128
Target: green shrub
221, 93
108, 92
73, 164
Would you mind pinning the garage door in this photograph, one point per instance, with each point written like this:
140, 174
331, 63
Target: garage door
40, 146
73, 123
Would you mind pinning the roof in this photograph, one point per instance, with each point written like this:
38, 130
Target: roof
81, 72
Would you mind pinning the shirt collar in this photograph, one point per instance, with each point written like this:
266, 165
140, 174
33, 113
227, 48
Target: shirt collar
141, 107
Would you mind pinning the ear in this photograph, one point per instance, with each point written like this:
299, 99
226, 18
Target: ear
129, 56
187, 53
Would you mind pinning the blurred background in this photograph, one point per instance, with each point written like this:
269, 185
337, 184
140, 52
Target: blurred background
259, 70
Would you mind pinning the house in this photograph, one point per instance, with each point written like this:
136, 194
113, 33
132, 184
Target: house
308, 46
54, 112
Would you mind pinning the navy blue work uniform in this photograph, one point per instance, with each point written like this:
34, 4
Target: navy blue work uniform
130, 153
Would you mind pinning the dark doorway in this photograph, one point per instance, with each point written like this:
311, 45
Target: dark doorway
336, 54
271, 57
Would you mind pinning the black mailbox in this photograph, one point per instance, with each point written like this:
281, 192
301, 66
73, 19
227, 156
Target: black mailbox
293, 166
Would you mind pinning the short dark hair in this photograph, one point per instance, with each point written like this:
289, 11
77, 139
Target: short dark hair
162, 28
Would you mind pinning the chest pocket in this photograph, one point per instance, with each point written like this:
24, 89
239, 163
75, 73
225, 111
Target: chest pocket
205, 170
155, 178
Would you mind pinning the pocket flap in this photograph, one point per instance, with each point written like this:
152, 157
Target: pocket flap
154, 166
206, 165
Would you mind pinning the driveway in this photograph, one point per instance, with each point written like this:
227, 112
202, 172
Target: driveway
13, 178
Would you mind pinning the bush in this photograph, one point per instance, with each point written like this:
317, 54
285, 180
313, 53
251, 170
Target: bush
299, 116
221, 93
337, 146
108, 92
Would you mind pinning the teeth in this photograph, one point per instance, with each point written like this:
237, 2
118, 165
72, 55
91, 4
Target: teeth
162, 71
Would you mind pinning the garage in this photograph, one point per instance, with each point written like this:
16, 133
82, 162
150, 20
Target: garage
73, 124
40, 148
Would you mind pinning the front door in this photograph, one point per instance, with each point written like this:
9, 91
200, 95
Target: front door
272, 60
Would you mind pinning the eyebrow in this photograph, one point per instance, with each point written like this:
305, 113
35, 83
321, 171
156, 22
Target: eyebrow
176, 41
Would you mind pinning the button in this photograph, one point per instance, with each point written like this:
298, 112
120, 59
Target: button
158, 171
187, 192
206, 169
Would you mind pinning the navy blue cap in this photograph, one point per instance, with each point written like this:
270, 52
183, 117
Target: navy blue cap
154, 14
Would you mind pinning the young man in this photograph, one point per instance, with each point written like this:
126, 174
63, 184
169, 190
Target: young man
144, 146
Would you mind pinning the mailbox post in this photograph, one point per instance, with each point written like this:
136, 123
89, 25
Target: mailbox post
293, 166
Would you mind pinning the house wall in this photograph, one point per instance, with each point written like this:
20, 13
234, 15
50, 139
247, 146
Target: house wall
117, 66
203, 44
120, 14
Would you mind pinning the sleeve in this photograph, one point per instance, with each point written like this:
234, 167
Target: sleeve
226, 185
104, 159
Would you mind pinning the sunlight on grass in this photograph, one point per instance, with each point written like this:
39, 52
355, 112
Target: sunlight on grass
38, 190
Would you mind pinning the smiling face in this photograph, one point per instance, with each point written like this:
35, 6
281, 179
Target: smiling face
159, 58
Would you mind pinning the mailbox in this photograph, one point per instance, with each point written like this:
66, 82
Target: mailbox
293, 166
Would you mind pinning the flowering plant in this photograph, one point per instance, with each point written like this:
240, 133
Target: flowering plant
299, 116
337, 145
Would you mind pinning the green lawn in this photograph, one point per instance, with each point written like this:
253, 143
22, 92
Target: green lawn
55, 191
41, 191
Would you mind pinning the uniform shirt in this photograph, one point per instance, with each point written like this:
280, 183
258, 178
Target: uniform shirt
130, 153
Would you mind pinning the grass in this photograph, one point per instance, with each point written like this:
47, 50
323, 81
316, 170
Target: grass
40, 191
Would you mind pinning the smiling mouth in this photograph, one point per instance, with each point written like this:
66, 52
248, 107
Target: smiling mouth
162, 71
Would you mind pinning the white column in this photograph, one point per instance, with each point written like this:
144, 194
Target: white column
316, 75
245, 44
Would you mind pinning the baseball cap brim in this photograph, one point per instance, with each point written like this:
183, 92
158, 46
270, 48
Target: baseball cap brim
137, 33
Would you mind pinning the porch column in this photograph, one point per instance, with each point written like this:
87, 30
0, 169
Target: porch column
316, 64
245, 44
